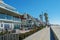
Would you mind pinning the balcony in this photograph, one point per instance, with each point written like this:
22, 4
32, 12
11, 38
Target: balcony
6, 20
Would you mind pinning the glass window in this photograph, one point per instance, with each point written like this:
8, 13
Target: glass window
9, 17
16, 19
16, 26
6, 26
2, 16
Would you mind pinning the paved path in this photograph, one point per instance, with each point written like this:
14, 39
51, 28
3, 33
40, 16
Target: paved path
43, 34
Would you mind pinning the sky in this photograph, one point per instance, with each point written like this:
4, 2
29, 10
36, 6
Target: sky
36, 7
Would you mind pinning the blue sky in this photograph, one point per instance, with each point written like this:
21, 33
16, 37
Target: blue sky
35, 7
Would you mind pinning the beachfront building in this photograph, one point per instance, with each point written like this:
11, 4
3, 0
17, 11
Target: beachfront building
9, 17
26, 21
29, 22
37, 22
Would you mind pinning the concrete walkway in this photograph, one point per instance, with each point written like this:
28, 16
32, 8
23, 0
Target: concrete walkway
43, 34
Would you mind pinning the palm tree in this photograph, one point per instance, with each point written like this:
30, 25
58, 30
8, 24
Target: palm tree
46, 18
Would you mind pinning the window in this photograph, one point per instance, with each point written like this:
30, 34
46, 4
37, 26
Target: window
9, 17
16, 26
6, 26
2, 16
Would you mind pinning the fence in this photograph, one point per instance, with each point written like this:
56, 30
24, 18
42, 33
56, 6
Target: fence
9, 37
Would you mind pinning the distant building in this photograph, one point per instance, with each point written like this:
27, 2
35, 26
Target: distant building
28, 22
37, 22
9, 17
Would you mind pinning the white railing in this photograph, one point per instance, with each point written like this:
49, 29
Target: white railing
9, 37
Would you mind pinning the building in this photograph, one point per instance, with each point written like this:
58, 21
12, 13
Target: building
9, 17
29, 22
26, 21
37, 22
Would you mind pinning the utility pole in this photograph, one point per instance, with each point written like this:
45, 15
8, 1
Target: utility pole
42, 18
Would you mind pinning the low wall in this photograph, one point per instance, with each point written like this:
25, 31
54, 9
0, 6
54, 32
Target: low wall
55, 36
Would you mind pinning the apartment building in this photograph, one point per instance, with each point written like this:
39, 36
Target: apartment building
26, 21
37, 22
9, 17
29, 22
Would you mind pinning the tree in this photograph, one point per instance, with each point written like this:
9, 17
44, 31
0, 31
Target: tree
46, 18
